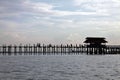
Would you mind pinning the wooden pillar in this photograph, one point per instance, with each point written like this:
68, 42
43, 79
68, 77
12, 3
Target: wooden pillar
82, 49
87, 49
39, 48
68, 49
108, 52
15, 49
46, 49
119, 50
61, 49
100, 50
106, 48
27, 49
34, 49
54, 49
24, 50
76, 51
49, 49
65, 49
91, 50
9, 49
0, 49
30, 49
4, 49
43, 49
20, 49
57, 49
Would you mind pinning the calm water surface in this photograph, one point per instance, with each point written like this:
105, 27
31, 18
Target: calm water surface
57, 67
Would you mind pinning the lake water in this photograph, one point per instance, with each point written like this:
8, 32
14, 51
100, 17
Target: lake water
60, 67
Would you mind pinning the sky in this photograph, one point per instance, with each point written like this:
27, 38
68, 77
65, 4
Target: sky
59, 21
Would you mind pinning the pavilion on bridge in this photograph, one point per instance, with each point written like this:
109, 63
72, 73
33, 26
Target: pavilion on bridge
95, 45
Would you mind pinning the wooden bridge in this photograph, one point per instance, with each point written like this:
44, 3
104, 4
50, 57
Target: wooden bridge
92, 46
38, 49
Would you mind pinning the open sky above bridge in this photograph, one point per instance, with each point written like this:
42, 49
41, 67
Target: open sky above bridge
58, 21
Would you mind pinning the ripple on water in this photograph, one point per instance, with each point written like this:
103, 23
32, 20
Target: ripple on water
60, 68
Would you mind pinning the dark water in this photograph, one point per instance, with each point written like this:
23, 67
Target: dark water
57, 67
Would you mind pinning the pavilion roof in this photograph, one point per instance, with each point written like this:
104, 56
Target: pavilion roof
95, 40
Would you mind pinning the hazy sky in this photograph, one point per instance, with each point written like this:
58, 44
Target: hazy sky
58, 21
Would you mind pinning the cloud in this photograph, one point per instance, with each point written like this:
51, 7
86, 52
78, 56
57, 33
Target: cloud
21, 8
27, 20
12, 38
86, 7
74, 38
109, 7
8, 25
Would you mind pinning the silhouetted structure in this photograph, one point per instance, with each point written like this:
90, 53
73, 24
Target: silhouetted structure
93, 45
96, 45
